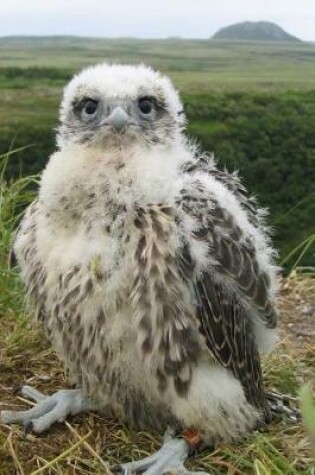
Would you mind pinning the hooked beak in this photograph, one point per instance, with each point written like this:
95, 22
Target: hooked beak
118, 119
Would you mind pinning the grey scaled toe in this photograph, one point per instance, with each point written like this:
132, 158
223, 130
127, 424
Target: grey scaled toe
168, 460
48, 410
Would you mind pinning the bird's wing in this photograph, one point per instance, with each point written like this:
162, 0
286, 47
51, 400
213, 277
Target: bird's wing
230, 291
231, 181
235, 252
227, 330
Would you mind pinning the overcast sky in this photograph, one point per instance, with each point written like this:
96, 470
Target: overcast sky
150, 18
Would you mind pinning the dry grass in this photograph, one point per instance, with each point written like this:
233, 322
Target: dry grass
90, 443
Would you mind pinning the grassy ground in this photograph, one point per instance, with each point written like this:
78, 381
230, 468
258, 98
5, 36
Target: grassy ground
87, 444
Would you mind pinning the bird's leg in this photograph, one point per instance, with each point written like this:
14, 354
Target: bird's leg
48, 409
169, 458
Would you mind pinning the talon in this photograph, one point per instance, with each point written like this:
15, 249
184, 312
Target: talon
27, 428
16, 389
47, 410
168, 460
115, 468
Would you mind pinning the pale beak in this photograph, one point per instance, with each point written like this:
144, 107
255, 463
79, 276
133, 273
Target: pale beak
118, 119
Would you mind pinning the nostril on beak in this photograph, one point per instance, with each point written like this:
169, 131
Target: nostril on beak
118, 119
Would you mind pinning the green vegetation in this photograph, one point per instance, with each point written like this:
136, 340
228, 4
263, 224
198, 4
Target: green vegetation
14, 197
270, 139
308, 410
198, 66
252, 104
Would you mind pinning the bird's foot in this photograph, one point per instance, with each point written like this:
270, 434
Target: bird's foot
283, 404
169, 459
48, 409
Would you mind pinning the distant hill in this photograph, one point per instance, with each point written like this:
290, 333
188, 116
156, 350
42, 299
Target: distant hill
254, 31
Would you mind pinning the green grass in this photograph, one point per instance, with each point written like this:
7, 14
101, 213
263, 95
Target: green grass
296, 255
195, 65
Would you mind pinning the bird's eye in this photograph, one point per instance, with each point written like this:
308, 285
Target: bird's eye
145, 105
90, 106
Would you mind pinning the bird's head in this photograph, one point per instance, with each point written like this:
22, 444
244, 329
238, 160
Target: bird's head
118, 105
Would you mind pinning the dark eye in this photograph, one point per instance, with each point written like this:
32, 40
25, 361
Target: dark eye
145, 105
90, 106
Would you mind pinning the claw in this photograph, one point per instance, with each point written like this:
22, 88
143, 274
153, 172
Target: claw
27, 428
48, 410
17, 389
115, 468
168, 460
32, 393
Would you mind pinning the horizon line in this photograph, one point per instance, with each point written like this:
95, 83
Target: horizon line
144, 38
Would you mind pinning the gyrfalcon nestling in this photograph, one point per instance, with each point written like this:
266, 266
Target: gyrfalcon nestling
150, 269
